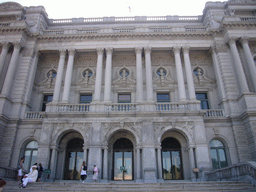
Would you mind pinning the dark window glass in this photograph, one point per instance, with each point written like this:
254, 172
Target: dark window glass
47, 99
218, 154
163, 97
87, 98
204, 100
124, 98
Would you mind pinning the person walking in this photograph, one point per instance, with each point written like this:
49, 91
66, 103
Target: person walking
95, 174
83, 173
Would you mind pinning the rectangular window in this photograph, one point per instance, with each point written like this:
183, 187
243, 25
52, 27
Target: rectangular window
163, 97
86, 98
47, 99
124, 98
204, 100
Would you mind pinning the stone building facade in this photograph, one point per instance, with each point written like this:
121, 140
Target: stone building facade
147, 99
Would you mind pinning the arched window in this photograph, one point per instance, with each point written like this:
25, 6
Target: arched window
30, 154
218, 154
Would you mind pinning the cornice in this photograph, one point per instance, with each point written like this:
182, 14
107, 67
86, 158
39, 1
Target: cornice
125, 35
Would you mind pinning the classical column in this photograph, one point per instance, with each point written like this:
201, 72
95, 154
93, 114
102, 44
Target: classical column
189, 73
139, 76
68, 76
138, 162
159, 160
149, 81
53, 162
181, 85
192, 163
85, 154
250, 60
98, 80
105, 168
11, 69
108, 75
5, 47
57, 88
238, 66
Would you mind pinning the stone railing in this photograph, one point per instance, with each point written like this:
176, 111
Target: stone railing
125, 19
211, 113
171, 106
73, 108
243, 171
252, 18
33, 115
8, 172
123, 107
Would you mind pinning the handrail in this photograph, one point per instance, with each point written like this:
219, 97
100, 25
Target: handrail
233, 172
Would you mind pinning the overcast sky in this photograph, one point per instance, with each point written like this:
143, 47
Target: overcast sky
105, 8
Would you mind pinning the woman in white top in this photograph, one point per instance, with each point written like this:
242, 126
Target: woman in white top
83, 170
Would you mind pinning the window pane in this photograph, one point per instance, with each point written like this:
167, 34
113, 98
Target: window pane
85, 98
204, 100
222, 157
124, 98
163, 97
47, 99
216, 143
33, 157
32, 145
27, 160
215, 162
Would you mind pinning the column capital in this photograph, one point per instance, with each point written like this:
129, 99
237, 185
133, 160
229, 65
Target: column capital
244, 40
232, 40
147, 49
5, 45
138, 50
186, 49
17, 45
176, 49
100, 50
109, 50
63, 52
71, 51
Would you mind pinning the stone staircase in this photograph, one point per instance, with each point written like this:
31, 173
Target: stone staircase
182, 186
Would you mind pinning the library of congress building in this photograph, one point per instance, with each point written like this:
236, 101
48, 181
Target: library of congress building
144, 98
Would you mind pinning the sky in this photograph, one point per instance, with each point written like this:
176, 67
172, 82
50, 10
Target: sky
65, 9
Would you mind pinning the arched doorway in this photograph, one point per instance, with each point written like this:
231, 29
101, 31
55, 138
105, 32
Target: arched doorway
171, 159
74, 158
123, 160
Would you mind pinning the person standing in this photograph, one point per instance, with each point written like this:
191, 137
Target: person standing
31, 177
2, 184
95, 174
20, 168
40, 171
83, 173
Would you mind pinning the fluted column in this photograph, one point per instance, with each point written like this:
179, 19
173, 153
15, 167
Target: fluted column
139, 77
189, 73
138, 163
160, 174
98, 80
238, 66
53, 162
5, 47
11, 69
108, 75
192, 163
68, 76
149, 81
180, 78
57, 88
105, 172
250, 61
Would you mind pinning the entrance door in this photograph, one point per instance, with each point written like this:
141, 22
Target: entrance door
171, 159
123, 160
74, 159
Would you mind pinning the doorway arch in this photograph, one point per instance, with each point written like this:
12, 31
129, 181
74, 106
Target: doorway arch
172, 168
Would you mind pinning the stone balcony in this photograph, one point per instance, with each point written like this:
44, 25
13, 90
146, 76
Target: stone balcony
126, 109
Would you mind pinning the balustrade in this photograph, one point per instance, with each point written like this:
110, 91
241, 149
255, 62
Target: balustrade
214, 113
73, 108
33, 115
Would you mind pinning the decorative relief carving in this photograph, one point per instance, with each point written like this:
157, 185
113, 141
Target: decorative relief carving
200, 76
124, 77
50, 79
121, 59
87, 78
162, 77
